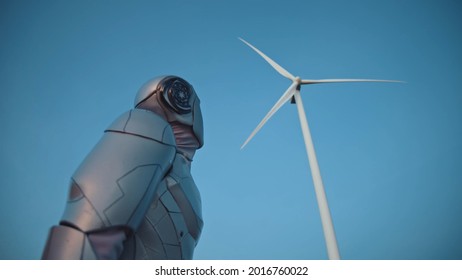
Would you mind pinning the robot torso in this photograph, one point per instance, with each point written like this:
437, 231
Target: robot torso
133, 196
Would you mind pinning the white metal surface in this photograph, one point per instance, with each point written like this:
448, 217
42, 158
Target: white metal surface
326, 219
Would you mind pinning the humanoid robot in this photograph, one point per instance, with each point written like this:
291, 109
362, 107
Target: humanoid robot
133, 196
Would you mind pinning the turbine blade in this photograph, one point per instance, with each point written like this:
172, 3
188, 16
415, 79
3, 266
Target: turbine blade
284, 98
276, 66
305, 82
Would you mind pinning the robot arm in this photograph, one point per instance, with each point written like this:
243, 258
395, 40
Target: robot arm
113, 187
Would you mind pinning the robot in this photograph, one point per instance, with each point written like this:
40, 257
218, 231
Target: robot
133, 196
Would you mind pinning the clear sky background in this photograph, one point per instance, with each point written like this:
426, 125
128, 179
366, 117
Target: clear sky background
390, 154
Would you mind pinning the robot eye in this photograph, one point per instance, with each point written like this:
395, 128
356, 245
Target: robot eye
178, 95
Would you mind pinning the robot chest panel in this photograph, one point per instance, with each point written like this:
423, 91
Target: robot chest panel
173, 223
176, 210
182, 187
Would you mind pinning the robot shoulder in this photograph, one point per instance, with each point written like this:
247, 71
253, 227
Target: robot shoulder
116, 182
144, 123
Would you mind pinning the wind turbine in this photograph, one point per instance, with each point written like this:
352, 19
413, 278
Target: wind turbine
294, 92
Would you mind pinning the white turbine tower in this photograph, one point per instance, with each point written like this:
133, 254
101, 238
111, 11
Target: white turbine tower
294, 91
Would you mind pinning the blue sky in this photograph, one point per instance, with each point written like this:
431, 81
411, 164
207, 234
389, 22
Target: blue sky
390, 154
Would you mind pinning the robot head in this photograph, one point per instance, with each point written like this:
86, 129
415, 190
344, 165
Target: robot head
174, 99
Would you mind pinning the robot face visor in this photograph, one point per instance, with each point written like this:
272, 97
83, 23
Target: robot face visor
178, 95
175, 100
